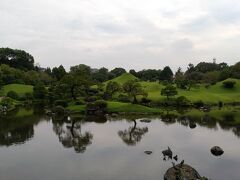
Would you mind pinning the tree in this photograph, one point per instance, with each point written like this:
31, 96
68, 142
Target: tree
118, 72
166, 74
17, 59
180, 79
149, 74
112, 87
101, 75
133, 89
58, 72
133, 72
78, 79
211, 77
169, 90
39, 91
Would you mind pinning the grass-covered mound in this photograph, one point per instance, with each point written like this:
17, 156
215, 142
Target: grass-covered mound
20, 89
123, 78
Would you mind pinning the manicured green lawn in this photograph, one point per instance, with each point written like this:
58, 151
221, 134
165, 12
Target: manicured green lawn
127, 107
118, 107
21, 89
213, 94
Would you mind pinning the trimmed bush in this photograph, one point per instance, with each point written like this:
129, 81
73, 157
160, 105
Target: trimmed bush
13, 95
100, 103
123, 98
229, 84
79, 102
198, 104
91, 98
62, 103
182, 101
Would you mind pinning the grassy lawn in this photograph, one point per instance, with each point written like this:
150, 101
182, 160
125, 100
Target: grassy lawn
21, 89
213, 94
117, 107
133, 108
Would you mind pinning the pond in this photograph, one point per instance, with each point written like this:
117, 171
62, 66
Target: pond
36, 147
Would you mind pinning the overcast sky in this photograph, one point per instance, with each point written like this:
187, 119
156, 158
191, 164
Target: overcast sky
136, 34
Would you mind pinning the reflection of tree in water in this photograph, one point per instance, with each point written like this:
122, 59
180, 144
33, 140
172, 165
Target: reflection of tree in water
236, 131
70, 135
16, 136
168, 118
17, 127
133, 135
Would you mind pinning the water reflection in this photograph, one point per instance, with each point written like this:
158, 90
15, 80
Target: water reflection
133, 134
71, 136
17, 127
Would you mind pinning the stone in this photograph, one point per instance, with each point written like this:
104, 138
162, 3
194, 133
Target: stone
168, 153
217, 151
148, 152
182, 172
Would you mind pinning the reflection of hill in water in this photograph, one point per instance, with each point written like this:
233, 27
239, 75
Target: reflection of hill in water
17, 127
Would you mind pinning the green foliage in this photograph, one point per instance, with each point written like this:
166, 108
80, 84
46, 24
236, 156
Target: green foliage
79, 102
7, 102
169, 91
16, 58
133, 89
62, 103
100, 103
229, 84
20, 89
182, 101
13, 95
117, 72
123, 98
58, 72
166, 74
101, 75
112, 88
39, 91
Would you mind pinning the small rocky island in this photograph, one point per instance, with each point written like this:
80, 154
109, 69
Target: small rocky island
182, 172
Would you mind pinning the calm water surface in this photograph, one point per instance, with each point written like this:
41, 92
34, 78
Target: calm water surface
39, 148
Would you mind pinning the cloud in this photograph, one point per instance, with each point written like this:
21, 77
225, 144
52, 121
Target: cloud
132, 34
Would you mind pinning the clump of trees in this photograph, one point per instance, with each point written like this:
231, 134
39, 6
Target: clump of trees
83, 84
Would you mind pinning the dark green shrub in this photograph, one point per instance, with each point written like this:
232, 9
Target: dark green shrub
182, 101
62, 103
79, 102
229, 84
59, 110
6, 101
123, 98
91, 98
28, 96
198, 104
100, 104
145, 101
13, 95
